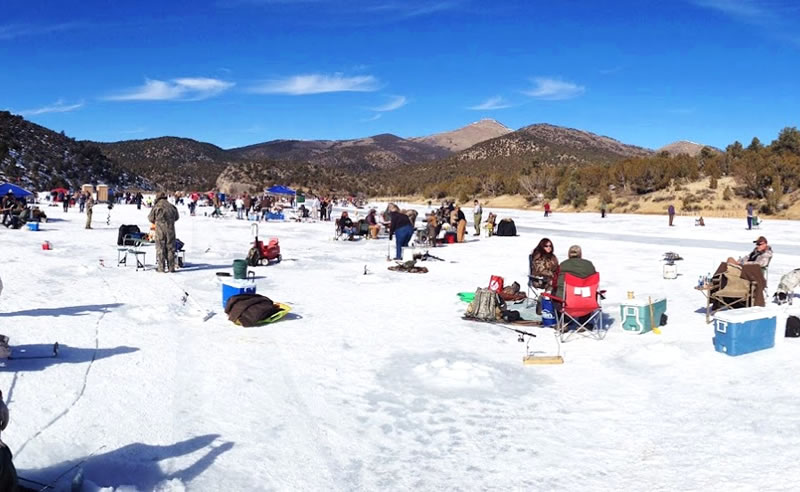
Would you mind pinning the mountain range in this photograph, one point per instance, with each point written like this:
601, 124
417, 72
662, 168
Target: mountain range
38, 157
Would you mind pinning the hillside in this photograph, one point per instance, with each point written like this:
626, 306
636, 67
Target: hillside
39, 158
171, 162
364, 154
254, 176
466, 137
494, 166
553, 144
685, 147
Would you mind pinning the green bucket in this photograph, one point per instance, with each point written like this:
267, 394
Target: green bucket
240, 269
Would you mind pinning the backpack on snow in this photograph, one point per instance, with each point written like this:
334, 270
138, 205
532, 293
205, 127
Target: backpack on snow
485, 306
792, 327
254, 256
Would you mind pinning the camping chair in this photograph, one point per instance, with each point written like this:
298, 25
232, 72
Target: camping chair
756, 222
581, 312
729, 291
536, 283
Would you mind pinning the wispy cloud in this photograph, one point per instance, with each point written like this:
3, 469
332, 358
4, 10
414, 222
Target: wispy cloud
374, 117
779, 18
396, 102
183, 89
496, 102
739, 8
299, 85
12, 31
408, 10
57, 107
554, 89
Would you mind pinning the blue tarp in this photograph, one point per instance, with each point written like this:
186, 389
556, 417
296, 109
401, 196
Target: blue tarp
16, 190
280, 190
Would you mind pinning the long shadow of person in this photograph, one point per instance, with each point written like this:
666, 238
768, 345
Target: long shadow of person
137, 464
65, 311
43, 356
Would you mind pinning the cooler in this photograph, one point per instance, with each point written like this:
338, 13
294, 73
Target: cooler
236, 287
670, 271
33, 226
548, 312
741, 331
635, 313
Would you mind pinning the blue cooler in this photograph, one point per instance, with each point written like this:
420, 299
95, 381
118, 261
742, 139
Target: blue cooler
33, 226
548, 313
235, 287
741, 331
635, 313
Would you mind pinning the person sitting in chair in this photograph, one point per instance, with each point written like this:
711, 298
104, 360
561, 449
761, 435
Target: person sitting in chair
761, 255
544, 265
372, 223
346, 226
574, 265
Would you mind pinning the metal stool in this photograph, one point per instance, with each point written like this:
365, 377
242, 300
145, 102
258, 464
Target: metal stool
139, 263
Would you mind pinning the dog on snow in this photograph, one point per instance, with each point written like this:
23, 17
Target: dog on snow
786, 287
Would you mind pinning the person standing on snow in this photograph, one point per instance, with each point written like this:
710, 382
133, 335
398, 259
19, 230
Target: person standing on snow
89, 204
749, 216
671, 212
164, 215
400, 225
477, 214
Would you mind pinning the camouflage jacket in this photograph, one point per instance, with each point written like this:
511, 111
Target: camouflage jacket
163, 214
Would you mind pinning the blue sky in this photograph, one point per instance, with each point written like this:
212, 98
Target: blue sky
238, 72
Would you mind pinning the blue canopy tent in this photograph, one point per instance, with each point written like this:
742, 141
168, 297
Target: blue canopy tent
16, 190
280, 190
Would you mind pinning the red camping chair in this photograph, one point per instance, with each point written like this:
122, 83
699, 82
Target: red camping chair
581, 312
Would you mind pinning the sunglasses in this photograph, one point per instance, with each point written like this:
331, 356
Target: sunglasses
547, 246
760, 244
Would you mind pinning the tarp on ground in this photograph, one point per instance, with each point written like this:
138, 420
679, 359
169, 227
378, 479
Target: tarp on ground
16, 190
280, 190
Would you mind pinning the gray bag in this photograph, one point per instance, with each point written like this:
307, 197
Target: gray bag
486, 306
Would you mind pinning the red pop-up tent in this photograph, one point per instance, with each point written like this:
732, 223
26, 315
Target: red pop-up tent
56, 191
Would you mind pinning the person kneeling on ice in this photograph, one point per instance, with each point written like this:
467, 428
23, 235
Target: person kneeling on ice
400, 225
8, 474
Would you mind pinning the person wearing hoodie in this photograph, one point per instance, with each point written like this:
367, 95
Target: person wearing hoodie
164, 215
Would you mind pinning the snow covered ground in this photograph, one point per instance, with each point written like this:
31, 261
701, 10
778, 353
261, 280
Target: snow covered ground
375, 383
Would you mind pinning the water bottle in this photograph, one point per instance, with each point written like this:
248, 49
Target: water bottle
700, 281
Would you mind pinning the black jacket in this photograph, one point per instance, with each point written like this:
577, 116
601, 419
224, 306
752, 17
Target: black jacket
398, 220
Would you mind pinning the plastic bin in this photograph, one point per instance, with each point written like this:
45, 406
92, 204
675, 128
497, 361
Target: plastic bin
635, 314
742, 331
235, 287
